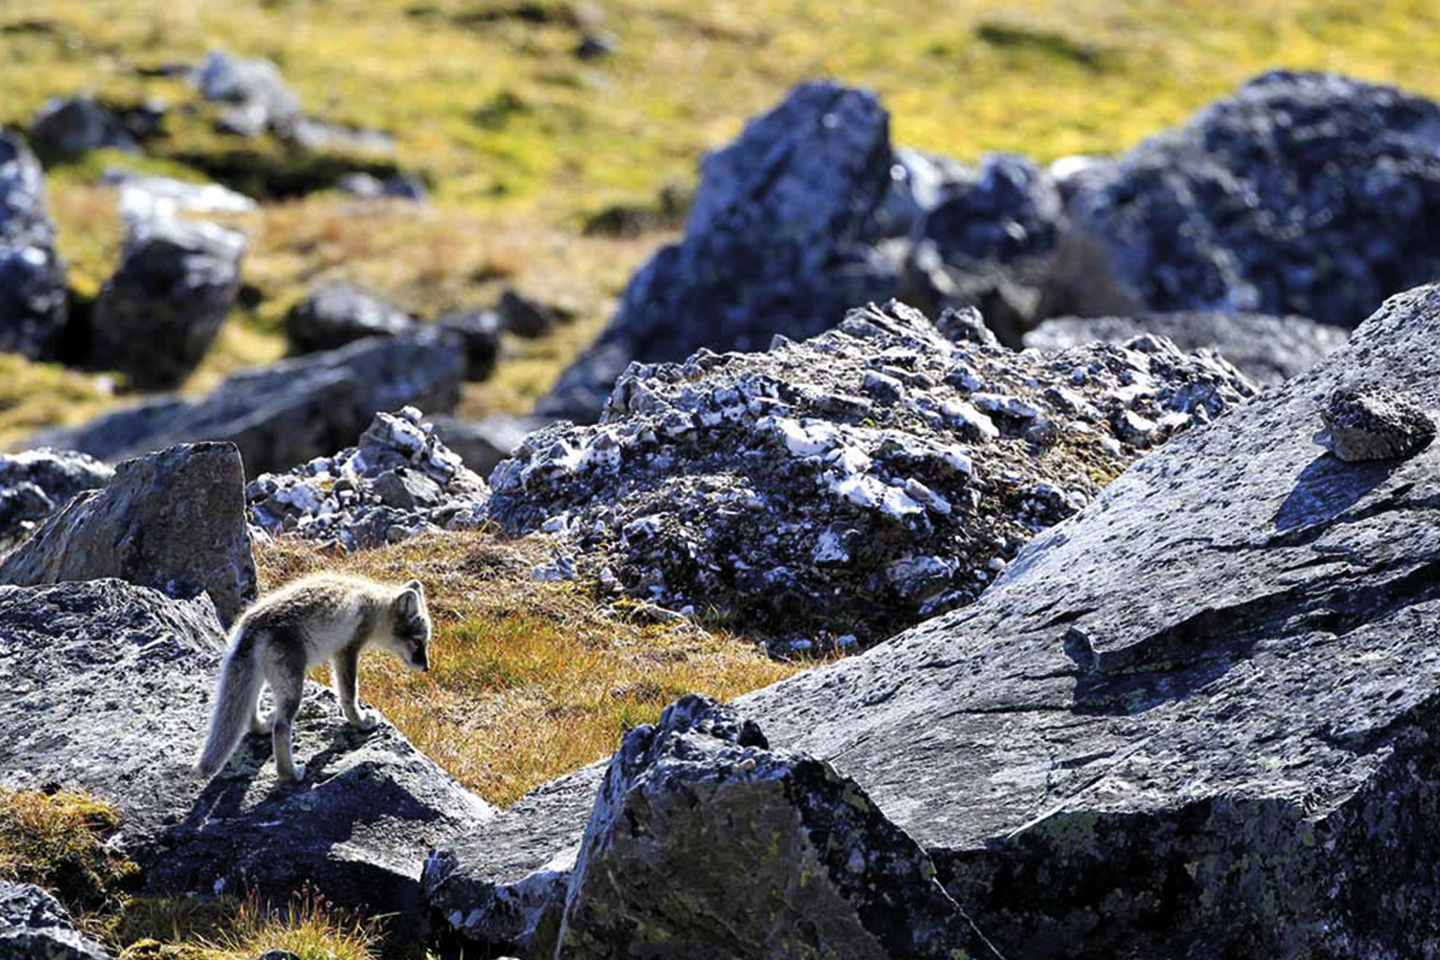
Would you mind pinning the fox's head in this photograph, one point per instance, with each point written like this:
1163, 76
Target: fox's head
411, 638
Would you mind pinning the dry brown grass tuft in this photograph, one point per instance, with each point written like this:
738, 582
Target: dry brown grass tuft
528, 680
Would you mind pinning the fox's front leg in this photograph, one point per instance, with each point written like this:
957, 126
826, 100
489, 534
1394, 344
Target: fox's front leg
345, 668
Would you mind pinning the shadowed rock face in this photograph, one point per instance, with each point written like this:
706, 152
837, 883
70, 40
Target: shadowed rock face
854, 483
1302, 193
1197, 719
32, 276
34, 925
108, 690
174, 520
775, 243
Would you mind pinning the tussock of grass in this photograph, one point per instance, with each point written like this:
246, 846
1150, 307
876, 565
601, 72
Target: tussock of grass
528, 680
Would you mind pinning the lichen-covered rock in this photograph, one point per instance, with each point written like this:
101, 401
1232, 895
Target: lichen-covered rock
158, 315
853, 483
32, 275
1266, 349
34, 926
704, 842
107, 690
174, 521
1303, 193
291, 411
777, 242
339, 313
1374, 424
398, 482
36, 483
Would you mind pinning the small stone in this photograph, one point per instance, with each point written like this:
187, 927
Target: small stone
1374, 424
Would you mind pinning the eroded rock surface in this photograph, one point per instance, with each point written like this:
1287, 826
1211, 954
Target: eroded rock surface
107, 689
34, 926
174, 520
32, 275
399, 481
853, 483
1374, 424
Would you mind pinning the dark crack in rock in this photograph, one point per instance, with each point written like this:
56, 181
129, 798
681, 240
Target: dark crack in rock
857, 482
398, 482
1374, 424
107, 689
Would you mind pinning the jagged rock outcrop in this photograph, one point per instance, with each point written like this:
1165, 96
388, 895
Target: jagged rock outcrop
288, 412
777, 242
698, 809
174, 521
339, 313
36, 483
1266, 349
853, 483
400, 481
158, 315
34, 926
108, 689
70, 126
32, 275
1303, 193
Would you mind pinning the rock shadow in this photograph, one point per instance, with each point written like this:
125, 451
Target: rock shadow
1327, 487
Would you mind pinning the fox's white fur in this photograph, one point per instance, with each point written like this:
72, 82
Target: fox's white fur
285, 634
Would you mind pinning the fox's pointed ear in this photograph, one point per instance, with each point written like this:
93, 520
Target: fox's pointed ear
408, 603
417, 586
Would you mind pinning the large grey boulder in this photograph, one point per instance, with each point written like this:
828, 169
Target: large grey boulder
291, 411
335, 314
1301, 193
174, 521
704, 842
398, 482
1267, 349
854, 483
778, 241
34, 926
107, 690
32, 275
158, 315
36, 483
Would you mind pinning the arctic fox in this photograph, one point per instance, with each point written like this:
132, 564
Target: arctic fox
283, 635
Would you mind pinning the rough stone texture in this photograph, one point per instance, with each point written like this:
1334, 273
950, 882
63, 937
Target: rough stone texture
776, 242
107, 689
1302, 193
36, 483
1374, 424
158, 315
856, 482
174, 521
482, 444
32, 275
339, 313
34, 926
399, 482
291, 411
704, 842
71, 126
1266, 349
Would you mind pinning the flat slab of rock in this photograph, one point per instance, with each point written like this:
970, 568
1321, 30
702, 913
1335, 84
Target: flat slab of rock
106, 688
34, 925
1266, 349
174, 520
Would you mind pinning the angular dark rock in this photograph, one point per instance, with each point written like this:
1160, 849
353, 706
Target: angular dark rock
336, 314
158, 315
34, 926
1303, 193
32, 275
481, 444
36, 483
704, 842
1266, 349
398, 482
776, 242
70, 126
854, 483
291, 411
479, 330
527, 317
108, 689
174, 521
1374, 424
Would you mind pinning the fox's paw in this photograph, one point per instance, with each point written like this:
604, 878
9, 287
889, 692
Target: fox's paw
296, 775
365, 720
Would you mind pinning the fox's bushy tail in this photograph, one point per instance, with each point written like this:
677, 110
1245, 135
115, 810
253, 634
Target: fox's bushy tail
235, 697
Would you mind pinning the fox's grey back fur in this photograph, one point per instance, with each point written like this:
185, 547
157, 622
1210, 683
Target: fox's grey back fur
283, 635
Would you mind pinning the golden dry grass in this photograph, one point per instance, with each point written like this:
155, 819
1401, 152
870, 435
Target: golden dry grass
528, 680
